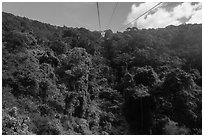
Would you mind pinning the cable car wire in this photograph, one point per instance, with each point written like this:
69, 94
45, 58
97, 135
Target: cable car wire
98, 16
141, 15
112, 15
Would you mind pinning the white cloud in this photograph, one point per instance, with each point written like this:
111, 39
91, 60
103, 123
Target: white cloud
162, 18
197, 15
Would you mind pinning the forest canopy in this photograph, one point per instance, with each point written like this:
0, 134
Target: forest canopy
61, 80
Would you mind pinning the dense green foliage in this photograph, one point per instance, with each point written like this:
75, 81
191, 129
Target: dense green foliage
60, 80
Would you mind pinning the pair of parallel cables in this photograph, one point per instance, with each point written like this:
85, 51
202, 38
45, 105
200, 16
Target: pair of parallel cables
141, 102
127, 23
110, 18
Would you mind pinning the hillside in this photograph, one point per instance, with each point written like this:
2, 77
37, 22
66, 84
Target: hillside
61, 80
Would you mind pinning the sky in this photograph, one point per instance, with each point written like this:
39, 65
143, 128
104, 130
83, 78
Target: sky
84, 14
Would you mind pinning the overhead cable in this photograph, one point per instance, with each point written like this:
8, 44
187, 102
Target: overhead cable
98, 16
141, 15
112, 15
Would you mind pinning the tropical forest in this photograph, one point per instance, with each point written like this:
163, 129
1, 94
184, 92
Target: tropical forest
59, 80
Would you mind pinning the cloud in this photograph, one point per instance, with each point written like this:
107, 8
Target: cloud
197, 15
160, 17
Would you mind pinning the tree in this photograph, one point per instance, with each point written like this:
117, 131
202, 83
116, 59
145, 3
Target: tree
146, 76
138, 109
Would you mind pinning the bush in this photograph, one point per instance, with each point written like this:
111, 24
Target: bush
146, 76
172, 128
42, 125
59, 47
177, 80
164, 126
13, 123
